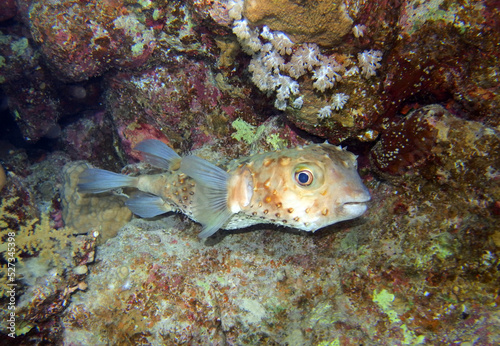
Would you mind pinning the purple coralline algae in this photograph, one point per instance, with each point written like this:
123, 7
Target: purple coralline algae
412, 87
84, 39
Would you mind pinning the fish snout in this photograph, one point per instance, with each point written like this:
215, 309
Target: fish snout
355, 205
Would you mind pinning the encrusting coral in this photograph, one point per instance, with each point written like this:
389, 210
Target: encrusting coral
322, 22
278, 64
84, 212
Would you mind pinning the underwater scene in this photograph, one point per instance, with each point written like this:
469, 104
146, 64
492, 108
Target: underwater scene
250, 172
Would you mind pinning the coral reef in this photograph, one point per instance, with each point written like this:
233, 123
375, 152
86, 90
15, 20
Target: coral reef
303, 77
185, 104
388, 282
92, 133
432, 144
100, 35
33, 101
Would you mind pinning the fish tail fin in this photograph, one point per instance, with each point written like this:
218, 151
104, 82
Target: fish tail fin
159, 154
95, 180
210, 207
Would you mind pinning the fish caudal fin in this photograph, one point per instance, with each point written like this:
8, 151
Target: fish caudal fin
210, 206
159, 154
95, 180
147, 205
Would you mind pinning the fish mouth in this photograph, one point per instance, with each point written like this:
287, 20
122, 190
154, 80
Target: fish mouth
355, 209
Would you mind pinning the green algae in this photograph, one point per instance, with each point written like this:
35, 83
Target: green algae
246, 132
384, 299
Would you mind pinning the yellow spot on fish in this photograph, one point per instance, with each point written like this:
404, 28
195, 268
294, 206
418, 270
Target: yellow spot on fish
290, 210
308, 210
266, 211
268, 199
325, 212
278, 205
267, 162
267, 183
284, 161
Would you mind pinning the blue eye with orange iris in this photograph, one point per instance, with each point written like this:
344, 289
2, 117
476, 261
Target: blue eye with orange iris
304, 177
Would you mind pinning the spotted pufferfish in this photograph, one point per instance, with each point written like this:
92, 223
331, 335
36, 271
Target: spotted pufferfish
306, 188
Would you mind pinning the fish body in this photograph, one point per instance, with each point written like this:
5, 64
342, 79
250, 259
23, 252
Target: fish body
305, 188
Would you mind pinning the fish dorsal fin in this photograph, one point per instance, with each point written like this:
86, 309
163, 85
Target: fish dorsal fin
210, 206
158, 154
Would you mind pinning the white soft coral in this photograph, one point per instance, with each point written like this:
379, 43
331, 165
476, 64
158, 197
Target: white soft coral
305, 58
241, 29
235, 8
249, 38
271, 59
327, 74
287, 86
339, 100
261, 76
325, 112
369, 60
281, 43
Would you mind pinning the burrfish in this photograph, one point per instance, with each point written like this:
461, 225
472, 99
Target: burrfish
306, 188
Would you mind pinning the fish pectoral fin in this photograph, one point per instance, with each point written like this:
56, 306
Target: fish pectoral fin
158, 154
210, 207
147, 205
212, 220
95, 180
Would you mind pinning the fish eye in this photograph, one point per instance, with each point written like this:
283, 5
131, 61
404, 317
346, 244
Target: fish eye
304, 177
